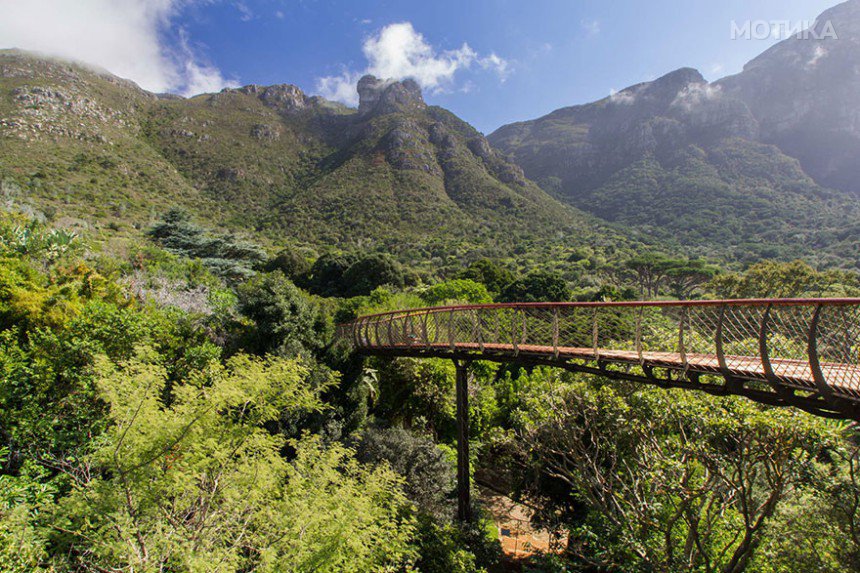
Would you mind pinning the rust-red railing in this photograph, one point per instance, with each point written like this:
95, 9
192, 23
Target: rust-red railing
800, 352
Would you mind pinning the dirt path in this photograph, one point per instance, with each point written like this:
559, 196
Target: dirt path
518, 538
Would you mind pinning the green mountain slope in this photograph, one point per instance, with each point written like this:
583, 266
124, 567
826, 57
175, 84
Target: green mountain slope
744, 167
83, 145
677, 159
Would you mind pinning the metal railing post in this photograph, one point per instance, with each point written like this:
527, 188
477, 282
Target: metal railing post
824, 389
476, 328
514, 335
731, 382
682, 349
764, 353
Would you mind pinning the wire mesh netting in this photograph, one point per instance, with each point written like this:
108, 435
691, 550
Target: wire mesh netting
799, 344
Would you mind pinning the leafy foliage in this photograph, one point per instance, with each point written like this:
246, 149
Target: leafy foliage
224, 255
429, 474
650, 480
370, 272
785, 280
201, 483
538, 286
489, 273
285, 320
457, 290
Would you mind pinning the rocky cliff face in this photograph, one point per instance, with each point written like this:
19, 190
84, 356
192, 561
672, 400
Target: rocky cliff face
267, 158
805, 94
580, 147
802, 95
708, 163
377, 96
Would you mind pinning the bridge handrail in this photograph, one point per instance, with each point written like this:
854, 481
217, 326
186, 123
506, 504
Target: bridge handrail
809, 345
622, 303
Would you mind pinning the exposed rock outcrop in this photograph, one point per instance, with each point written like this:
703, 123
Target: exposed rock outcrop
379, 97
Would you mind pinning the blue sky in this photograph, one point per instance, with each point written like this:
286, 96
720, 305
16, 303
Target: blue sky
490, 62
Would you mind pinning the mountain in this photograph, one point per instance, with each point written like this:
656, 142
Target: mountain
748, 167
86, 147
804, 94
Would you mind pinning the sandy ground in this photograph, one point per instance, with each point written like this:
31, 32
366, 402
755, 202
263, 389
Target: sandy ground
518, 538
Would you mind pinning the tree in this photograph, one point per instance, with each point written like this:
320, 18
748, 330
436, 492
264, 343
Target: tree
687, 276
537, 286
772, 279
429, 476
650, 271
200, 485
494, 276
225, 255
665, 481
292, 263
418, 393
326, 274
456, 290
285, 319
371, 272
819, 529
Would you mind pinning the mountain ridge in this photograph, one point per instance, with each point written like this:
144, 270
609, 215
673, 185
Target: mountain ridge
651, 156
394, 174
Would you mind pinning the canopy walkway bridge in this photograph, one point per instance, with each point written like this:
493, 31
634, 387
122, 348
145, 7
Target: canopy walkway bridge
803, 353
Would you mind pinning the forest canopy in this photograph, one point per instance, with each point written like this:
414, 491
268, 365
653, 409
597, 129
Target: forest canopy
182, 407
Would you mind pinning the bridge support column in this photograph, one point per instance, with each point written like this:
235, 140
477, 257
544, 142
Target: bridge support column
464, 503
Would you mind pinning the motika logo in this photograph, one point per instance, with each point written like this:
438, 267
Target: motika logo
783, 29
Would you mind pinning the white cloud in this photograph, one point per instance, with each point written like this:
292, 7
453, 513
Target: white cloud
591, 27
496, 64
126, 37
397, 52
819, 52
340, 88
696, 94
279, 15
624, 97
245, 12
717, 68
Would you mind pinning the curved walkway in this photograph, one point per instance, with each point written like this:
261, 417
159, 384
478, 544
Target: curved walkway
791, 352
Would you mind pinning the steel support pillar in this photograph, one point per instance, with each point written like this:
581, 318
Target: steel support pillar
464, 504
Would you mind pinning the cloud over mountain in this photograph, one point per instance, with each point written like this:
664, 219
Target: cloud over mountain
398, 52
134, 39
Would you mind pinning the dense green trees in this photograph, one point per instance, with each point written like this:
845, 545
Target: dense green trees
292, 263
144, 430
284, 319
429, 474
326, 274
538, 286
456, 291
201, 484
785, 280
668, 482
370, 272
489, 273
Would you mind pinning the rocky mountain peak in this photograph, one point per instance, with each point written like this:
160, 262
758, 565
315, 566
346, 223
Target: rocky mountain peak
845, 19
388, 96
680, 78
283, 97
667, 87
